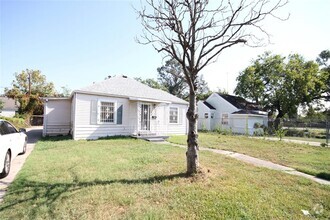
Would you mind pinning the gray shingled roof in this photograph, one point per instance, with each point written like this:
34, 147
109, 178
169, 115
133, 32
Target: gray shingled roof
239, 102
130, 88
209, 105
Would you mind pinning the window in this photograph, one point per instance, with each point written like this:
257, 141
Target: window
173, 115
107, 112
224, 119
212, 115
206, 115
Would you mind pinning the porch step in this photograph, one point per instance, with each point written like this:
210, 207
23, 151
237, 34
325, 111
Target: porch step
155, 139
151, 138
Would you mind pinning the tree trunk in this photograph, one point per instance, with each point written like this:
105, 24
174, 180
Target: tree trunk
277, 121
192, 151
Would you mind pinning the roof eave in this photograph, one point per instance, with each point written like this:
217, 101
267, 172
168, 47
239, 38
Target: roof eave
129, 97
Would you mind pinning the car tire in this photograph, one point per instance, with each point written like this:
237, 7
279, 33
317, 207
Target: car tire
24, 149
6, 167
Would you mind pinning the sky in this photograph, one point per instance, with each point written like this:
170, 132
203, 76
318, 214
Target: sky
77, 42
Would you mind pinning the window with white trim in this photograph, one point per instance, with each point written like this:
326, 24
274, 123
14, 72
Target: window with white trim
174, 115
107, 112
224, 118
212, 115
206, 115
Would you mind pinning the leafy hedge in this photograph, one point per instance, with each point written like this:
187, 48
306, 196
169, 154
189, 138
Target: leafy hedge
17, 122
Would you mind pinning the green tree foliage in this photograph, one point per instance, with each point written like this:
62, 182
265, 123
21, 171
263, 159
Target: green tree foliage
65, 92
27, 87
280, 85
323, 60
171, 77
151, 83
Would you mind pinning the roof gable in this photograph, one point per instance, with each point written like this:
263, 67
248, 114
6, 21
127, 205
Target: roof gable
208, 105
130, 88
239, 102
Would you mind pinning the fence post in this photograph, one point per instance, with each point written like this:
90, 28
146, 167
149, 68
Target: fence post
327, 131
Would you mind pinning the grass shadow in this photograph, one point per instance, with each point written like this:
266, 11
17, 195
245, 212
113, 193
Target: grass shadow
323, 175
57, 138
115, 137
44, 193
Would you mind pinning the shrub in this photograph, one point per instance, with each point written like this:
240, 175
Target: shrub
258, 132
17, 122
280, 133
223, 131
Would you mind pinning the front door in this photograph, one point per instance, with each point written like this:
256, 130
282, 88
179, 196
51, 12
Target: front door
145, 117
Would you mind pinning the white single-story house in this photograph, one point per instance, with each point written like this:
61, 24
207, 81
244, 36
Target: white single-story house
222, 111
10, 107
116, 106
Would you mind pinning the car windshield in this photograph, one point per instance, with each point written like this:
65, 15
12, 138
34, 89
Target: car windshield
6, 128
3, 128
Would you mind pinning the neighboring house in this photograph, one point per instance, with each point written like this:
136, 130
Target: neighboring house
115, 106
10, 107
220, 111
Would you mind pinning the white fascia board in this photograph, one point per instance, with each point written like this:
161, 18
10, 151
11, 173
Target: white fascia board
148, 100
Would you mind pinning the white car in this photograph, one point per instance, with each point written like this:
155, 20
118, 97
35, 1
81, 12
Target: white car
12, 143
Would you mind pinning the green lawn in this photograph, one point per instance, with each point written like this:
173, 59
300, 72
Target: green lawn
133, 179
306, 139
309, 159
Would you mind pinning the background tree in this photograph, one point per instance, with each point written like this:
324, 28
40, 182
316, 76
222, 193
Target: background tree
27, 88
171, 77
278, 86
195, 32
151, 83
323, 60
66, 92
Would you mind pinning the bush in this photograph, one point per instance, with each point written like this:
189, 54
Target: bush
258, 132
17, 122
324, 144
280, 133
223, 131
305, 133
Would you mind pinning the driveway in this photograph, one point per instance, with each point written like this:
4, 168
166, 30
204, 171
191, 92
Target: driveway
34, 134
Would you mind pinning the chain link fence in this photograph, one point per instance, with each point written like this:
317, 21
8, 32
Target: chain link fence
305, 130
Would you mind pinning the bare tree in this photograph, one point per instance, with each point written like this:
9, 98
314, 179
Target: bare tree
195, 32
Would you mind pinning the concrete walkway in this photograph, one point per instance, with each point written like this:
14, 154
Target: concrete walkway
312, 143
33, 134
260, 163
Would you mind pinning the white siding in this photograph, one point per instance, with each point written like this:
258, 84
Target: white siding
57, 117
86, 129
133, 117
244, 124
221, 106
203, 123
181, 126
73, 115
7, 113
